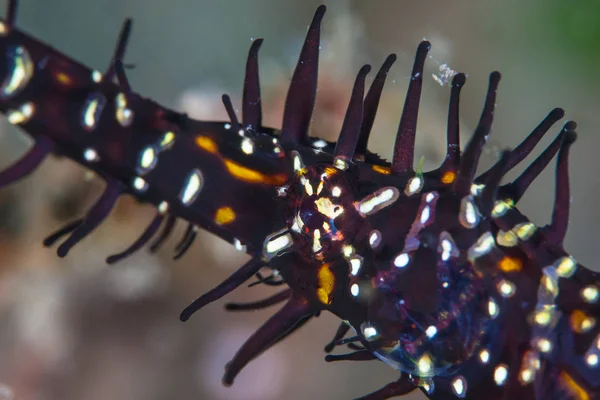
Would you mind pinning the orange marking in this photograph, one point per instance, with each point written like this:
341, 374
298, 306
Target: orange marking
224, 216
63, 79
326, 281
581, 322
207, 144
253, 176
382, 170
510, 264
575, 389
448, 177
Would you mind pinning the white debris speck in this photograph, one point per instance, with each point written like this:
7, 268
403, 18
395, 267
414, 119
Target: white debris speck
444, 75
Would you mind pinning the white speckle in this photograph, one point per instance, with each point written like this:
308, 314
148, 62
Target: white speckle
565, 267
227, 126
319, 144
22, 115
425, 365
493, 309
247, 146
592, 360
429, 197
369, 331
147, 161
378, 200
506, 288
414, 185
340, 164
354, 289
192, 186
238, 245
277, 242
139, 184
484, 356
90, 155
97, 76
401, 260
374, 239
544, 345
336, 191
425, 214
500, 374
431, 331
468, 215
459, 386
241, 132
355, 265
484, 244
163, 207
590, 294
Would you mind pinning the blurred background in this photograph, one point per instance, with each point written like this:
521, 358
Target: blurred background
76, 328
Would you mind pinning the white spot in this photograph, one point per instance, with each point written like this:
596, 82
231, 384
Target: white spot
282, 191
484, 356
500, 208
476, 188
21, 115
22, 69
425, 214
431, 331
506, 288
275, 243
319, 144
484, 244
447, 247
163, 207
524, 230
123, 114
193, 185
139, 184
544, 315
414, 185
276, 149
316, 247
237, 244
336, 191
506, 238
355, 265
92, 109
500, 374
425, 365
347, 250
147, 160
90, 155
430, 197
378, 200
247, 146
375, 239
354, 289
227, 126
590, 294
241, 132
592, 360
459, 386
97, 76
402, 260
544, 345
565, 267
428, 385
493, 309
369, 331
167, 140
469, 214
297, 160
340, 164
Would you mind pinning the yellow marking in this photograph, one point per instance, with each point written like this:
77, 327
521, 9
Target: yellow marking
207, 144
510, 264
382, 170
326, 281
573, 387
224, 216
64, 79
581, 322
252, 176
448, 177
